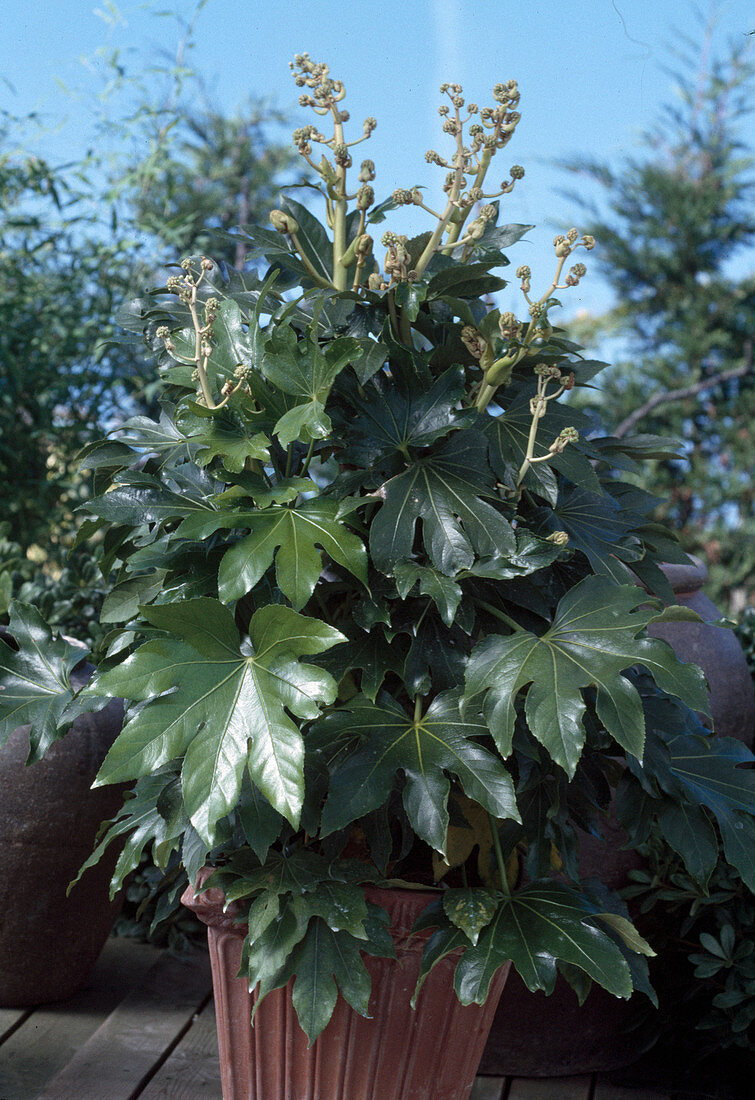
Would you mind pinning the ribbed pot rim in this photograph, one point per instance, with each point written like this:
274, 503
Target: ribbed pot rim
210, 906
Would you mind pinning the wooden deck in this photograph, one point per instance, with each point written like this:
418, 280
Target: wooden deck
145, 1027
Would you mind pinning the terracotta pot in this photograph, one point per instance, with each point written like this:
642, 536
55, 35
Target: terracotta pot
49, 819
430, 1054
715, 649
602, 1034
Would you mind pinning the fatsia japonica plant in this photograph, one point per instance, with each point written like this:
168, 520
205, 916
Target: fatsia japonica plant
370, 598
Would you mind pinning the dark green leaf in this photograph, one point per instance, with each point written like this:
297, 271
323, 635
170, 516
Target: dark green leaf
465, 280
689, 832
424, 749
541, 923
291, 535
36, 688
591, 642
445, 491
312, 236
300, 368
443, 590
321, 960
370, 653
389, 422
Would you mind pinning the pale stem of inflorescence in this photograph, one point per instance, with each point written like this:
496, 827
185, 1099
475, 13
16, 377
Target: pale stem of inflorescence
186, 287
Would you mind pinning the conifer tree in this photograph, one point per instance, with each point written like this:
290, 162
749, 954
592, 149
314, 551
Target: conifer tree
673, 235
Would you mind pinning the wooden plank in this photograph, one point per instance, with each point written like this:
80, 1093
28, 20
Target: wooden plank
140, 1032
10, 1018
50, 1035
604, 1090
488, 1088
551, 1088
192, 1069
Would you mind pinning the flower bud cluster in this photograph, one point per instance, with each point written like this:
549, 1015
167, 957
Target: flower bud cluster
575, 274
560, 538
397, 258
509, 327
365, 197
476, 229
363, 247
563, 439
283, 222
549, 371
473, 341
315, 75
524, 273
566, 243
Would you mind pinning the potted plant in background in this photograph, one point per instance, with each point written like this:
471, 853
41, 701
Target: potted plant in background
49, 816
374, 622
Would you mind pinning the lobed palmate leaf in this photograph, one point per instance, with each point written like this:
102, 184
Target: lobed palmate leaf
593, 639
221, 707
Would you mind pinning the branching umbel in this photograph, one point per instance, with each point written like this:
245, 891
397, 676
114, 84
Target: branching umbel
186, 287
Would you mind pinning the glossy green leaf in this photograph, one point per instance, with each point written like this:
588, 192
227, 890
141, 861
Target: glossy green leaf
445, 492
220, 707
600, 529
340, 905
717, 773
531, 554
371, 654
296, 873
372, 359
36, 686
218, 435
261, 823
496, 237
689, 832
537, 926
300, 368
324, 963
425, 750
443, 590
466, 280
141, 821
124, 599
390, 421
591, 642
291, 535
470, 909
312, 236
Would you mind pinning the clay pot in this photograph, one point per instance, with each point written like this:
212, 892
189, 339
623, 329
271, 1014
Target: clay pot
428, 1054
49, 819
715, 649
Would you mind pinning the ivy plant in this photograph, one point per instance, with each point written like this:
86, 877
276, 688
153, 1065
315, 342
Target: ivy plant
372, 595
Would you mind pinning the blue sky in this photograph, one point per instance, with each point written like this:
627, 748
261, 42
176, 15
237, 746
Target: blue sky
590, 73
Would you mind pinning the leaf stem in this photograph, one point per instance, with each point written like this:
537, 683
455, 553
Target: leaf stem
496, 611
499, 856
308, 458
